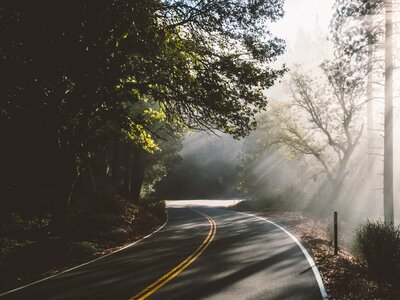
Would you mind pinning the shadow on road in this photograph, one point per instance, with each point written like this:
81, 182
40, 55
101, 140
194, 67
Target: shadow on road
264, 263
249, 259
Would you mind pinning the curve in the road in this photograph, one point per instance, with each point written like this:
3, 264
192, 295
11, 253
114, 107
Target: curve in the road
311, 262
248, 259
152, 288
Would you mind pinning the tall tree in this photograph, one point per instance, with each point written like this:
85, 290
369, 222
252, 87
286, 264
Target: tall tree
368, 37
72, 69
388, 144
322, 122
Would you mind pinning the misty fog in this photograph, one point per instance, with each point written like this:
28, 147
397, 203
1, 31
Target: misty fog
221, 167
209, 168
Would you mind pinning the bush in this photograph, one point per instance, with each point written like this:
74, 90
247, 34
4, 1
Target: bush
19, 227
157, 208
9, 246
93, 223
377, 245
245, 205
83, 249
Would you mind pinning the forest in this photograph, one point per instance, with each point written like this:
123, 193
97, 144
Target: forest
96, 95
92, 91
102, 102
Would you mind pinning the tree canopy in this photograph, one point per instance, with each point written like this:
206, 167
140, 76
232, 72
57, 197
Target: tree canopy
81, 74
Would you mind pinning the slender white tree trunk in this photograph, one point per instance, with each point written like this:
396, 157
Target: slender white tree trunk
373, 195
388, 144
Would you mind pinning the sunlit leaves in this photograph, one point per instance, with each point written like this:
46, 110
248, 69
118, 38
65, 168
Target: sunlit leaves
214, 64
80, 77
141, 137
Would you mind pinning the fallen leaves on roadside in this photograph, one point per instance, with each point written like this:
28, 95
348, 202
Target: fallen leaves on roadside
343, 276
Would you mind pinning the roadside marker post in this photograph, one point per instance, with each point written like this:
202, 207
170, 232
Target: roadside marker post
335, 231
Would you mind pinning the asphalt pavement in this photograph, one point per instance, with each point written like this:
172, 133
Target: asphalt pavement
205, 253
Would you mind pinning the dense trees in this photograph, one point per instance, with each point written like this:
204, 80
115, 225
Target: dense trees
91, 88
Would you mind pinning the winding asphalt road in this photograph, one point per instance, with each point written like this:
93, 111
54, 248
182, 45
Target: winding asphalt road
200, 253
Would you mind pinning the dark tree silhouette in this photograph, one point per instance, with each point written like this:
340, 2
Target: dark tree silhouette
89, 85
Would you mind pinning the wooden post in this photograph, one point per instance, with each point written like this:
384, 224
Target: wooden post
335, 231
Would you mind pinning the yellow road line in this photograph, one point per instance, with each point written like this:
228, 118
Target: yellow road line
143, 294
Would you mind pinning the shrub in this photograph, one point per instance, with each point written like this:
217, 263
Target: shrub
157, 208
243, 206
21, 227
9, 246
377, 245
83, 249
93, 223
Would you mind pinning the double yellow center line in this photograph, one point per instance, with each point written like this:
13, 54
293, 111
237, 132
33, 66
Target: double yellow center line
146, 292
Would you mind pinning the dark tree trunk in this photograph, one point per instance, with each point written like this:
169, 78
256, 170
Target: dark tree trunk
127, 169
116, 163
64, 178
138, 172
93, 185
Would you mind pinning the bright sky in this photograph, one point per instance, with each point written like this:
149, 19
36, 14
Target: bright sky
304, 14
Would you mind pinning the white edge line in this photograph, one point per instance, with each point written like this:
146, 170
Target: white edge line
86, 263
311, 262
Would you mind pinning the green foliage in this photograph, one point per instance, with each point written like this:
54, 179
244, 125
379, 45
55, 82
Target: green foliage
19, 226
160, 164
378, 246
92, 222
9, 246
83, 249
157, 208
354, 27
104, 81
